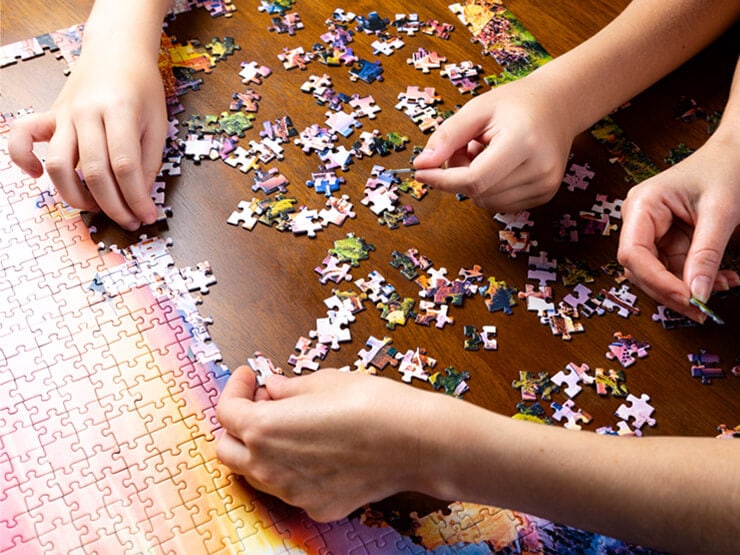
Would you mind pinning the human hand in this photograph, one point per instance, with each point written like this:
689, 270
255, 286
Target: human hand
110, 118
328, 442
677, 224
506, 149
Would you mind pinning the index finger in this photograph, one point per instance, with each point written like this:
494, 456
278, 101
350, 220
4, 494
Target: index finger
26, 131
639, 254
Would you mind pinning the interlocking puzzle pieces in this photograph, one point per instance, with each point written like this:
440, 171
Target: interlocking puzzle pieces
486, 338
315, 138
262, 367
705, 365
372, 24
352, 249
295, 58
413, 364
725, 432
671, 319
562, 321
431, 312
342, 122
375, 287
397, 216
499, 296
246, 215
287, 23
515, 242
532, 386
269, 181
638, 410
396, 310
567, 411
387, 45
580, 298
333, 329
452, 381
437, 28
425, 60
280, 130
464, 75
308, 357
364, 106
220, 49
573, 375
626, 349
620, 300
366, 71
539, 301
410, 262
253, 72
419, 105
578, 177
576, 272
336, 210
377, 353
325, 182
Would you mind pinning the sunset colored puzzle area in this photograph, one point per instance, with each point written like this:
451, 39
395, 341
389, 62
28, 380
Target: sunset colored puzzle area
107, 396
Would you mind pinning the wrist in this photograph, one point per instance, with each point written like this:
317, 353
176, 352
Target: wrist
131, 27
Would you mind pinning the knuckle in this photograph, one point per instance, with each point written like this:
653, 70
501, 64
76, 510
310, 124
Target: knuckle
123, 165
708, 256
56, 165
94, 172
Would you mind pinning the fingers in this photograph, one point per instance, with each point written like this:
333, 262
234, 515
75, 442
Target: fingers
24, 132
241, 385
452, 135
642, 230
61, 160
478, 178
125, 152
235, 399
710, 238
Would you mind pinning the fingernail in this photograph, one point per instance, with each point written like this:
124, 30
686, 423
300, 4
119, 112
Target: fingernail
701, 288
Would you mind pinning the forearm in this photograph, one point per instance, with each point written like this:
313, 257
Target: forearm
135, 24
653, 491
729, 127
649, 39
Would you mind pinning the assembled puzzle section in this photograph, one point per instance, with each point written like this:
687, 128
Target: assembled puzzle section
184, 504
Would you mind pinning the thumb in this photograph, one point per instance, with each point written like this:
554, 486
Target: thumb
26, 131
703, 260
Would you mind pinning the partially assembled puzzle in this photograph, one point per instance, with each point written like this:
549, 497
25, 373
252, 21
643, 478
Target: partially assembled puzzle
110, 375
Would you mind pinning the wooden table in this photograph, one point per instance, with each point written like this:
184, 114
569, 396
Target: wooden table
268, 294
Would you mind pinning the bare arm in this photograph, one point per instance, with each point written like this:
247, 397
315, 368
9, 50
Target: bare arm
527, 126
648, 40
331, 442
671, 493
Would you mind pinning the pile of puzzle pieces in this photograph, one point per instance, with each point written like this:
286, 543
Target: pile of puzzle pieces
141, 285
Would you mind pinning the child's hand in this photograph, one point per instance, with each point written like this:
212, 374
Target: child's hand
328, 442
506, 149
678, 223
110, 120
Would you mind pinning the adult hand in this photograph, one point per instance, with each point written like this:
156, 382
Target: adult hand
677, 224
328, 442
506, 149
110, 119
